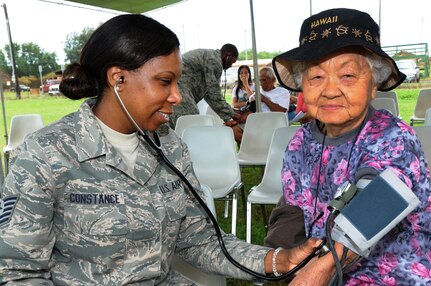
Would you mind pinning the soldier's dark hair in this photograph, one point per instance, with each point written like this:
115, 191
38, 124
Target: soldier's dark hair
127, 41
229, 48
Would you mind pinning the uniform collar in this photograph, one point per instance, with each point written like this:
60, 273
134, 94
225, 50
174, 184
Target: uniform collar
90, 141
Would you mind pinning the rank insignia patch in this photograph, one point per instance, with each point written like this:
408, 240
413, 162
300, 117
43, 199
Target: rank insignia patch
7, 206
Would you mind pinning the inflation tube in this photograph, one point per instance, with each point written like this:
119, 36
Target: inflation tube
155, 145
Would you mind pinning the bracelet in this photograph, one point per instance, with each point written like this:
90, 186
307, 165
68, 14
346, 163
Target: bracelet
274, 262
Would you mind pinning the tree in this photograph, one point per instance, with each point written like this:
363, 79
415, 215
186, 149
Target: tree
260, 55
3, 63
28, 58
74, 44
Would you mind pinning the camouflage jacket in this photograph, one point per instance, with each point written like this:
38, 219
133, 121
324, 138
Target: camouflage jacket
77, 217
200, 79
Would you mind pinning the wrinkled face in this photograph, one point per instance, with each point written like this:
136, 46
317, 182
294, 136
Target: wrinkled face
337, 91
152, 90
266, 83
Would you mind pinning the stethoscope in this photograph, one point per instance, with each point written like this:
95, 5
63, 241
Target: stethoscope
156, 146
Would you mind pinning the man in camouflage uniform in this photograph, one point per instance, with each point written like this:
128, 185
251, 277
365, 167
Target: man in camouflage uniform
200, 79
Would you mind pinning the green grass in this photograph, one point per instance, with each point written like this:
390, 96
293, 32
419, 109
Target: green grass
53, 108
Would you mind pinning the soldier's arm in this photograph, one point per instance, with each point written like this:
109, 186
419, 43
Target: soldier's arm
213, 95
26, 234
197, 242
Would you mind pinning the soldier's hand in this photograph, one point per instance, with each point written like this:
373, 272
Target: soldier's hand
236, 116
231, 123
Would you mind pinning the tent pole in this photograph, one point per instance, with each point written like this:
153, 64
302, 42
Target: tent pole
255, 63
5, 127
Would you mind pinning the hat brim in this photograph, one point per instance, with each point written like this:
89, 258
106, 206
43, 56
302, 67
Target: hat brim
283, 63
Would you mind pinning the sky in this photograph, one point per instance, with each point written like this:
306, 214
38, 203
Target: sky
212, 23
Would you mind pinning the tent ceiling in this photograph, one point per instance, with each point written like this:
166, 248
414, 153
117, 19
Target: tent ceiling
130, 6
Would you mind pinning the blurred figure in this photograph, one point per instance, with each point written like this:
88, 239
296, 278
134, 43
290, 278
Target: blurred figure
273, 98
241, 93
243, 89
200, 79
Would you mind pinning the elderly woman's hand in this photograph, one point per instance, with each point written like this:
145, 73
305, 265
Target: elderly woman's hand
320, 270
286, 259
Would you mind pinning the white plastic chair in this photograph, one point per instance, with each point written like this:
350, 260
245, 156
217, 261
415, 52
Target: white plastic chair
422, 104
190, 120
20, 126
217, 119
258, 131
424, 134
385, 103
189, 271
428, 117
213, 154
269, 190
390, 94
202, 106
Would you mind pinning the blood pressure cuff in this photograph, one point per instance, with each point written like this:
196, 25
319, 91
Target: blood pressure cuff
286, 226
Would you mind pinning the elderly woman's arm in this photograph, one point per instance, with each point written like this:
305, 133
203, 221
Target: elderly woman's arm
319, 271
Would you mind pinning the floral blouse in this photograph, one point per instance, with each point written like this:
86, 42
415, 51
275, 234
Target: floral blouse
401, 257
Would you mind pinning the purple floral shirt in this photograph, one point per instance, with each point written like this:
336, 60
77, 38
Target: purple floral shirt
403, 256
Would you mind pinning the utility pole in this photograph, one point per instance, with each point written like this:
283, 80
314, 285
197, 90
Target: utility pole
12, 55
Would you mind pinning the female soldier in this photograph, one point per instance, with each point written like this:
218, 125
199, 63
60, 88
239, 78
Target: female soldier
91, 202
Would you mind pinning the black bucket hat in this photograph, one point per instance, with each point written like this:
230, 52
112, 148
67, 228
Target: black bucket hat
328, 31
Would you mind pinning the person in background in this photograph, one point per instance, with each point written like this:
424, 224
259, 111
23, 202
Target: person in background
243, 89
301, 108
200, 79
339, 66
240, 96
88, 201
273, 98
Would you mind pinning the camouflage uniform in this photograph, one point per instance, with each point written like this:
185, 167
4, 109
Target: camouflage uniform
200, 79
80, 218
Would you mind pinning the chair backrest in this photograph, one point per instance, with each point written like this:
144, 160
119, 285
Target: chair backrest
390, 94
428, 117
271, 179
21, 126
213, 153
217, 120
209, 199
423, 133
258, 131
385, 103
190, 120
423, 103
202, 106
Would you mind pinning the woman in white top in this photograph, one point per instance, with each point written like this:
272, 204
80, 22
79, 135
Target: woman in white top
241, 93
244, 87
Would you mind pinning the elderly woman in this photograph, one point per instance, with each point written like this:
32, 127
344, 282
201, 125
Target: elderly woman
339, 66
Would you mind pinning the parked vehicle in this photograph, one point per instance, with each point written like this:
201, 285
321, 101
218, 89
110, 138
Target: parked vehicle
22, 87
54, 89
45, 88
410, 69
